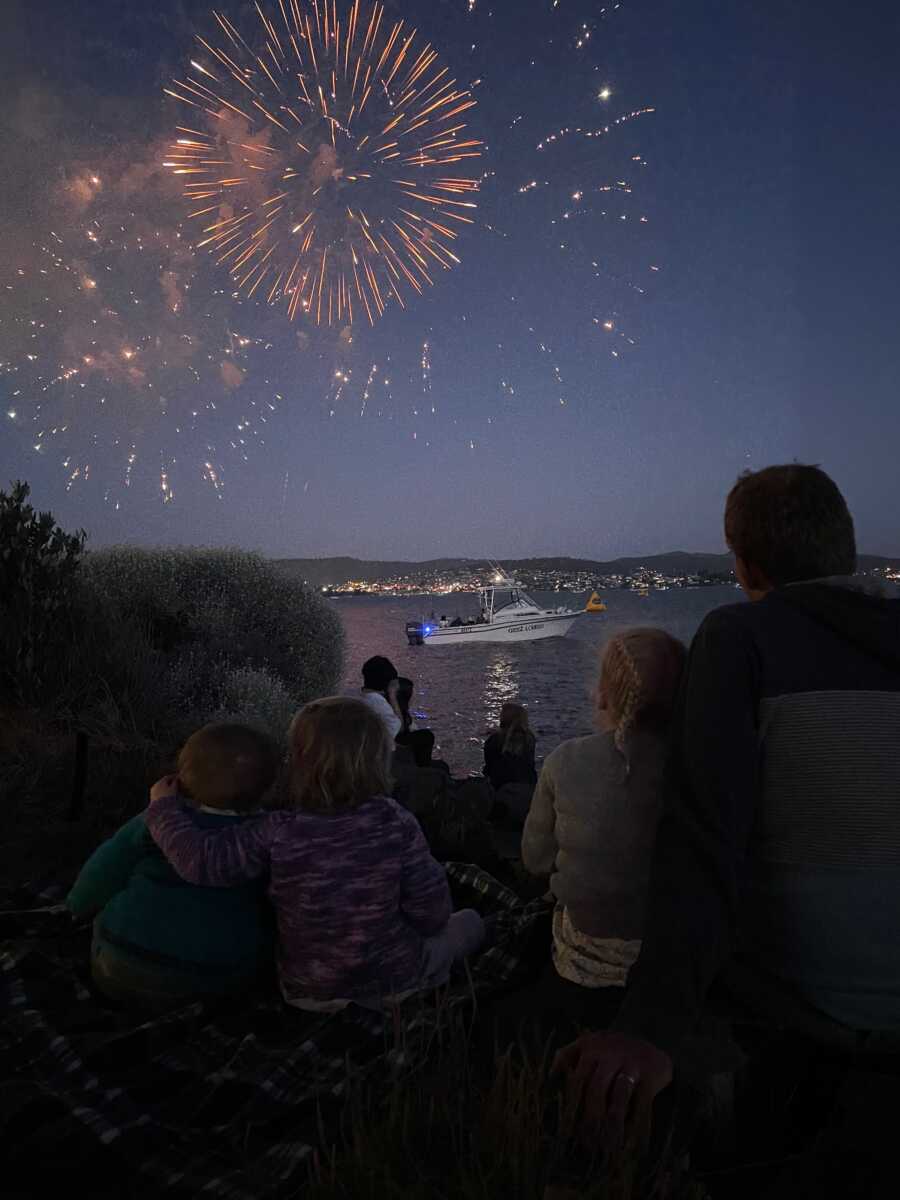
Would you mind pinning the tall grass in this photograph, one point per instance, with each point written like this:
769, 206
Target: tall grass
462, 1122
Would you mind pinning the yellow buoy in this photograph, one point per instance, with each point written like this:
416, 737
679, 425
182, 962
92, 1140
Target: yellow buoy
595, 604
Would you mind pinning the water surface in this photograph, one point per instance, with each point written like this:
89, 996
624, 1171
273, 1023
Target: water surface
459, 689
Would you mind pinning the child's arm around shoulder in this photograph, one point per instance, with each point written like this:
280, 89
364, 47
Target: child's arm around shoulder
109, 868
424, 890
211, 858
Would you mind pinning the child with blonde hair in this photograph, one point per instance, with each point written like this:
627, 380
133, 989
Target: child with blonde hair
363, 909
157, 940
593, 817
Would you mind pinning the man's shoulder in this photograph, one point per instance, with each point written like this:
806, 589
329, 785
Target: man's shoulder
730, 616
739, 621
746, 617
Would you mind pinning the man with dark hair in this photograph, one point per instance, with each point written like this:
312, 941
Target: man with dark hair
791, 523
379, 691
778, 855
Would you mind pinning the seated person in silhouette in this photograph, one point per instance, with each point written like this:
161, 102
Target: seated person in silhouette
420, 743
403, 698
379, 692
509, 750
159, 941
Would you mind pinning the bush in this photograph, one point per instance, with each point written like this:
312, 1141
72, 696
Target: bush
254, 695
208, 612
38, 563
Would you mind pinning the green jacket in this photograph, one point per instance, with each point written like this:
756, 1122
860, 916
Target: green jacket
144, 908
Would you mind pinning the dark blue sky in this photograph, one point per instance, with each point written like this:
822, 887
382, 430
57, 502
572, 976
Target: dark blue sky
768, 176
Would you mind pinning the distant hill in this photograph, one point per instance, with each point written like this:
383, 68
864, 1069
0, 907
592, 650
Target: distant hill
325, 572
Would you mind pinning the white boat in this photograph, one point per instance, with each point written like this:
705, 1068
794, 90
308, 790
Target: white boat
508, 614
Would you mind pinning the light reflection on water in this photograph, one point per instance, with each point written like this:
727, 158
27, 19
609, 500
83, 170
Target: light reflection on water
459, 690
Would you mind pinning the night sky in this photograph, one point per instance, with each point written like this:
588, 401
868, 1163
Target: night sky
722, 294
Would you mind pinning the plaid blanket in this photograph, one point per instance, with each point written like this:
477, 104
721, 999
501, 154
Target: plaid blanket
225, 1100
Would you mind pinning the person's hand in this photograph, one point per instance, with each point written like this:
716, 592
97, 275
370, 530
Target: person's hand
167, 786
614, 1078
392, 689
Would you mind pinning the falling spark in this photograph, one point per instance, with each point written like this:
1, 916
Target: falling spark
367, 390
598, 132
426, 372
164, 486
340, 380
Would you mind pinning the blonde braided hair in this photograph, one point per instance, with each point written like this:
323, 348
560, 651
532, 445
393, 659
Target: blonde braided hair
630, 695
639, 677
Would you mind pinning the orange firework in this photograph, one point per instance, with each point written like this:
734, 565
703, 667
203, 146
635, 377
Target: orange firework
326, 176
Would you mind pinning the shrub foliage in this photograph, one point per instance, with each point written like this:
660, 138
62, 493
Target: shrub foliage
234, 635
38, 563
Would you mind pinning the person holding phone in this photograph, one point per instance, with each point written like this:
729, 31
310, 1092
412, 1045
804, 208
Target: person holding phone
379, 692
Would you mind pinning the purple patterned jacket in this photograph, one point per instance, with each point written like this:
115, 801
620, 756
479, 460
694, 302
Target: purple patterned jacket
355, 892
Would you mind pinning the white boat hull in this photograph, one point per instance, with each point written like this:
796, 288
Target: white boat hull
529, 628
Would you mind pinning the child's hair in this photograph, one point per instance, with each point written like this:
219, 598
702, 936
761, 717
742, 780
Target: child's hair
228, 766
640, 671
514, 724
340, 755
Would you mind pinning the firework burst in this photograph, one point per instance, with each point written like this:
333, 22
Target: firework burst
322, 158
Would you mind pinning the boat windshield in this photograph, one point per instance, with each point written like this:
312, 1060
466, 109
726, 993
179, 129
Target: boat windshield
511, 598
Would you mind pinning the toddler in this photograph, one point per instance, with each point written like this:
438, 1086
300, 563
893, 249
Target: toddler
158, 940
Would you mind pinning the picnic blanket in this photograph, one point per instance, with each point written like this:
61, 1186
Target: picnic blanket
222, 1100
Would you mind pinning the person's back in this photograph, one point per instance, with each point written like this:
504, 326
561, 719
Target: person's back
349, 872
605, 818
509, 750
157, 938
821, 889
593, 818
